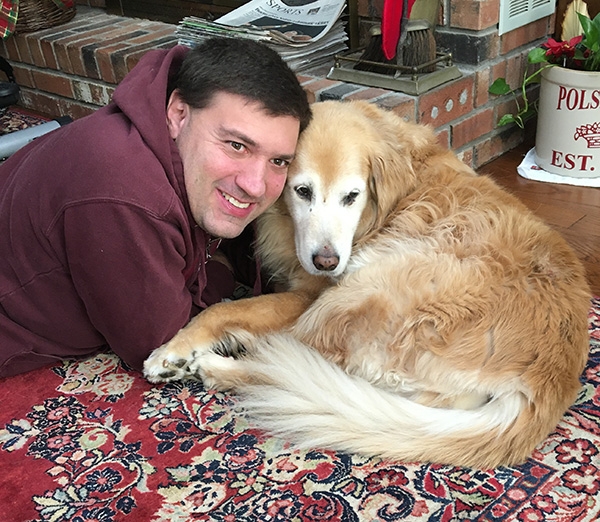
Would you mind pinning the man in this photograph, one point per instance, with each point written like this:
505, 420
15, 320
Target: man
107, 225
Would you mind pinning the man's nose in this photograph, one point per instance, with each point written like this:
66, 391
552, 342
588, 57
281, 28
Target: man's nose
253, 180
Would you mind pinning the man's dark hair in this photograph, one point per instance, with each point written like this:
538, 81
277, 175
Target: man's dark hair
245, 68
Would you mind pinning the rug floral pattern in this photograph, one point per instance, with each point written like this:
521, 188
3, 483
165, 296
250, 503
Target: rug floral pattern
14, 119
93, 441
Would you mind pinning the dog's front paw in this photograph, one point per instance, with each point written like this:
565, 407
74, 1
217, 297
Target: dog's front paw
181, 358
171, 362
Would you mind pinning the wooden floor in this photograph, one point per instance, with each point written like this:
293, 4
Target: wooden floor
573, 211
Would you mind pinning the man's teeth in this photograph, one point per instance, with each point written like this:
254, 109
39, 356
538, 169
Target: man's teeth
234, 201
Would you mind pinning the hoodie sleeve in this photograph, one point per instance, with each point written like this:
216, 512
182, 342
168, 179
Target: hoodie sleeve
128, 267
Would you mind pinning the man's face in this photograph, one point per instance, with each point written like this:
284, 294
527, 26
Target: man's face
235, 159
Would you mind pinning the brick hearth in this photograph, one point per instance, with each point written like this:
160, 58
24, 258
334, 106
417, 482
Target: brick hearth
72, 69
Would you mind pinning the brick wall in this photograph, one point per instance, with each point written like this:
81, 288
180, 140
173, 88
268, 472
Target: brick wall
463, 111
73, 69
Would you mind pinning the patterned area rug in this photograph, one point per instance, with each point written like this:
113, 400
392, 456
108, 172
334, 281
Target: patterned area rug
92, 440
15, 118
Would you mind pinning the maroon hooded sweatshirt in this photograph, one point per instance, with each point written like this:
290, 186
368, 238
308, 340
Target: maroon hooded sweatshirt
97, 243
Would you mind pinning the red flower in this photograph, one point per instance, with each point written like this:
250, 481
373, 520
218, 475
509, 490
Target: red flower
562, 49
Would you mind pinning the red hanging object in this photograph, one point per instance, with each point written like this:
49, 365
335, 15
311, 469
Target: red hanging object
391, 24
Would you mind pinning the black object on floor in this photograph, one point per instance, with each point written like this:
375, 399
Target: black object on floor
9, 91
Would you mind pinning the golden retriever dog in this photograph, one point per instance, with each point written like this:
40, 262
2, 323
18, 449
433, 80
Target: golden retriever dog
427, 316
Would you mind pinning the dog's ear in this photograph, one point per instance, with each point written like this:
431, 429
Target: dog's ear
400, 157
391, 178
392, 154
405, 155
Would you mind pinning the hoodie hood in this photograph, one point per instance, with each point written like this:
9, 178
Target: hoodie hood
144, 88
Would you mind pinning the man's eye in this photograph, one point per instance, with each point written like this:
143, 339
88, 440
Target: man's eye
236, 145
281, 162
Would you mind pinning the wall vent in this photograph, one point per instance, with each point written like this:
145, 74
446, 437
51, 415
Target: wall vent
517, 13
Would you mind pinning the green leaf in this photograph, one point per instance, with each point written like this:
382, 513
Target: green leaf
506, 119
591, 30
596, 22
500, 87
537, 55
585, 22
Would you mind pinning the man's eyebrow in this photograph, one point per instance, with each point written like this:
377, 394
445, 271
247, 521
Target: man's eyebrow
237, 135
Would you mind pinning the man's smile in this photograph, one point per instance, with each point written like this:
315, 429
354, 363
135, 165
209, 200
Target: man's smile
234, 201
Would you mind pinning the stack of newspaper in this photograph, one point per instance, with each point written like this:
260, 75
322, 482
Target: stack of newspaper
305, 33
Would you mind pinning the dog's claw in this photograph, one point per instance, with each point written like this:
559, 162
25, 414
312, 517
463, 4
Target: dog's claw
181, 363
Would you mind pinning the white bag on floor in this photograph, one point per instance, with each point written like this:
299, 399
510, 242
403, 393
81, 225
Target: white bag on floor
528, 169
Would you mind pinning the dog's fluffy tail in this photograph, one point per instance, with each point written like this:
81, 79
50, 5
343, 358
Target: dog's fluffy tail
314, 404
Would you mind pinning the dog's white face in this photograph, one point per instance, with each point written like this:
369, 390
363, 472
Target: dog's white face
326, 211
332, 180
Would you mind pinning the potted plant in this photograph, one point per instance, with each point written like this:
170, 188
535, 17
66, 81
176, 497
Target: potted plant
568, 129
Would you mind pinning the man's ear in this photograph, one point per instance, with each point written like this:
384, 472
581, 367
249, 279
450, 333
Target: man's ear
177, 114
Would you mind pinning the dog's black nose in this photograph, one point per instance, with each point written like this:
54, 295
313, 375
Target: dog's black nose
326, 263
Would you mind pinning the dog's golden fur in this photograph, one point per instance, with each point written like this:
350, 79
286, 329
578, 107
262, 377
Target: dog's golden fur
459, 319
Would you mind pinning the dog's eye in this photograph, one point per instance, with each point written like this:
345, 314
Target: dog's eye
303, 192
350, 198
